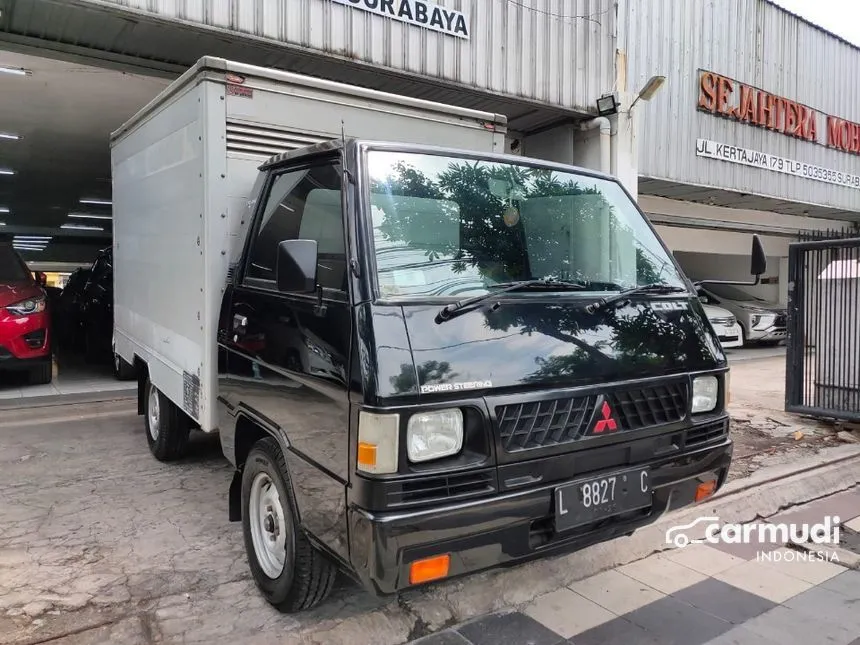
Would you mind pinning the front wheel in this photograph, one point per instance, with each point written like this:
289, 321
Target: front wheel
291, 574
41, 375
167, 427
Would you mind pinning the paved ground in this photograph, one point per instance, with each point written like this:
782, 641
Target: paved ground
71, 378
99, 543
727, 594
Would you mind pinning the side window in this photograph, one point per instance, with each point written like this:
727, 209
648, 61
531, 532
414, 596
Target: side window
303, 204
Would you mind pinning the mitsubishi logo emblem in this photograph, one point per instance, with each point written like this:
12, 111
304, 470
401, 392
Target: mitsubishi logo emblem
608, 422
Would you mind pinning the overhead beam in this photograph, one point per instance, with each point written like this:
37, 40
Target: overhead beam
86, 56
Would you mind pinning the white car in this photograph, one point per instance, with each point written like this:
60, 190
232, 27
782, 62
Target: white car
725, 325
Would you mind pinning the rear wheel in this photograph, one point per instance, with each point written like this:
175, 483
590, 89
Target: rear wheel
41, 375
167, 427
291, 574
122, 369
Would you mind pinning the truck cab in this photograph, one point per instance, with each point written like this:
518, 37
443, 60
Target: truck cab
433, 362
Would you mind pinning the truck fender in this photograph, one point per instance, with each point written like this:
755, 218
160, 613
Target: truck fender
249, 429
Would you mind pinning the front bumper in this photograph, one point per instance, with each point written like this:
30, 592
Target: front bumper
769, 334
514, 527
24, 340
730, 336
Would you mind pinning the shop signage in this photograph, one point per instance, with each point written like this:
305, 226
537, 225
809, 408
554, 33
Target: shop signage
765, 161
417, 12
731, 99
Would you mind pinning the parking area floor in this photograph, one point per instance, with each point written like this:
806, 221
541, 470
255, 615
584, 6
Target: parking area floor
100, 543
72, 377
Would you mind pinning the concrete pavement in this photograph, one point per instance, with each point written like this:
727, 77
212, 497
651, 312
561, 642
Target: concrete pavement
700, 594
99, 543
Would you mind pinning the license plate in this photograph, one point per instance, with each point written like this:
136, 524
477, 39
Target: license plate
594, 499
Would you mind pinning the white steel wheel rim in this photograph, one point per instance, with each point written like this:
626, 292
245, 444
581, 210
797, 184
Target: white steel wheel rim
268, 526
154, 413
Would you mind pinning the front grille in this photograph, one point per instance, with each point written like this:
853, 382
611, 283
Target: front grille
706, 433
35, 339
540, 424
446, 487
544, 423
649, 406
723, 321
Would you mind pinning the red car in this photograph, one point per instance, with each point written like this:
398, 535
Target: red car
24, 324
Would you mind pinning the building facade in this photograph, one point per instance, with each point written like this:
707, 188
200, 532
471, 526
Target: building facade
755, 129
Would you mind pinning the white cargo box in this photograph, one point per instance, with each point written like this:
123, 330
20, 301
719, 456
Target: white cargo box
183, 172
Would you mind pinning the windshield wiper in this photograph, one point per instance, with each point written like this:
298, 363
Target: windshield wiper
449, 311
655, 287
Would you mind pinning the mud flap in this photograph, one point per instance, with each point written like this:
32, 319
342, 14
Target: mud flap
235, 497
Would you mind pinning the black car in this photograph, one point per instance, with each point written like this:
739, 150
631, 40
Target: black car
66, 313
95, 309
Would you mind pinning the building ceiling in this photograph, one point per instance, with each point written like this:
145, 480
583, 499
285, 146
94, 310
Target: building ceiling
730, 199
63, 113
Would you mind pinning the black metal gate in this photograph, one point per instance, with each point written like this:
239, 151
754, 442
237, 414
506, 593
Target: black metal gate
823, 357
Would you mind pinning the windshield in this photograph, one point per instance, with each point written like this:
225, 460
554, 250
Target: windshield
449, 226
731, 293
12, 268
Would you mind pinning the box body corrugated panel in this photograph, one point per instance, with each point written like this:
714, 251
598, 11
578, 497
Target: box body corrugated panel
184, 169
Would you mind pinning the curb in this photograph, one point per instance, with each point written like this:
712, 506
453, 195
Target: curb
50, 400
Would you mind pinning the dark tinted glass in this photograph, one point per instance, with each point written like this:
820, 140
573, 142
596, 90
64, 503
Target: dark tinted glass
12, 268
303, 204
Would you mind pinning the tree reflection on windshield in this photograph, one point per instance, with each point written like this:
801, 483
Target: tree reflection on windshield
447, 227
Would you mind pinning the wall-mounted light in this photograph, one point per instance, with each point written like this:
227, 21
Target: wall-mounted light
4, 209
607, 105
6, 171
651, 88
10, 136
97, 202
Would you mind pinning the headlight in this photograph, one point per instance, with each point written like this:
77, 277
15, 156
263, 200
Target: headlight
763, 321
27, 307
706, 389
432, 435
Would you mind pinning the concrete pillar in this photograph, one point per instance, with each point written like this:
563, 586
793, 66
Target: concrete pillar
624, 151
783, 281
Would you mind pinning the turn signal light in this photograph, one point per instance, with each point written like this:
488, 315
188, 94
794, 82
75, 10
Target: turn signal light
705, 490
429, 569
366, 454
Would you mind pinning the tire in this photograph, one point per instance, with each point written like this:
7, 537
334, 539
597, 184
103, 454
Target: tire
167, 427
41, 375
306, 576
122, 370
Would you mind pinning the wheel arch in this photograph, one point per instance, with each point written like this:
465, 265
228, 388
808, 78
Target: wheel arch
142, 371
249, 429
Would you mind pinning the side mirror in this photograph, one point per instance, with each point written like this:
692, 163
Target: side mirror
758, 264
296, 266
